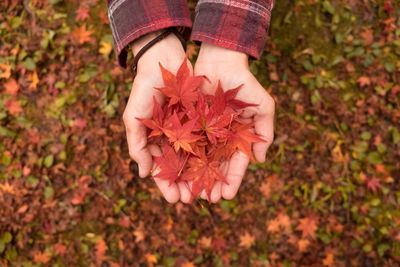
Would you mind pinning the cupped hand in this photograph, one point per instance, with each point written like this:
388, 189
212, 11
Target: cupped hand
170, 53
231, 69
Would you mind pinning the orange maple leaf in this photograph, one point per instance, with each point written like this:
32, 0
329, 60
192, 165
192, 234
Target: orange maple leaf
11, 87
303, 244
282, 221
41, 257
13, 106
364, 81
205, 242
188, 264
151, 259
34, 81
7, 188
5, 71
308, 226
329, 259
82, 35
101, 249
246, 240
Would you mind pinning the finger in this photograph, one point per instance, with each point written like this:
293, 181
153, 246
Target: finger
264, 127
137, 144
184, 191
237, 168
216, 192
170, 192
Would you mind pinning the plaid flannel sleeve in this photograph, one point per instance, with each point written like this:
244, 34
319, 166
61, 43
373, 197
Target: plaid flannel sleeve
239, 25
130, 19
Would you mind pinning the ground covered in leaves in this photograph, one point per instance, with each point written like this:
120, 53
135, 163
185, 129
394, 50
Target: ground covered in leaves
328, 195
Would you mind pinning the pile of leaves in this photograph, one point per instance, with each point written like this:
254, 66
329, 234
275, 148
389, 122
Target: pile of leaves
197, 132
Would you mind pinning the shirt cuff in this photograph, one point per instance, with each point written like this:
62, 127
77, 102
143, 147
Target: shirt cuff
131, 19
240, 25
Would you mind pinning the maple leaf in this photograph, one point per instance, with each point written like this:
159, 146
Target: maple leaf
303, 245
60, 249
374, 184
240, 138
203, 172
7, 188
105, 48
151, 259
246, 240
188, 264
213, 124
271, 185
181, 88
282, 221
101, 249
205, 242
13, 106
5, 71
11, 87
156, 123
82, 35
34, 81
222, 99
171, 164
329, 259
180, 135
364, 81
82, 13
139, 233
308, 226
41, 257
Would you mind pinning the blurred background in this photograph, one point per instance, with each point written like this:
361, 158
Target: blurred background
328, 195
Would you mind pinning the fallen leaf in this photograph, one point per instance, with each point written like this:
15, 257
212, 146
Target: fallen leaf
151, 259
303, 245
246, 240
308, 226
5, 71
41, 257
13, 106
11, 87
329, 259
33, 80
82, 35
105, 48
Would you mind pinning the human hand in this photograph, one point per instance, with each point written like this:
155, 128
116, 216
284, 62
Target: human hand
170, 53
231, 69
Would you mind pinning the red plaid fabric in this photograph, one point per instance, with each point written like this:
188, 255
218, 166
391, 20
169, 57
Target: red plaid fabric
239, 25
130, 19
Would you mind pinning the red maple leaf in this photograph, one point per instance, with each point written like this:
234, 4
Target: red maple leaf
82, 13
156, 123
182, 88
171, 164
308, 226
374, 184
179, 135
222, 99
240, 137
203, 172
209, 122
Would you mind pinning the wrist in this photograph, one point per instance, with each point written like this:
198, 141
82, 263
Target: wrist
170, 41
166, 51
213, 54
